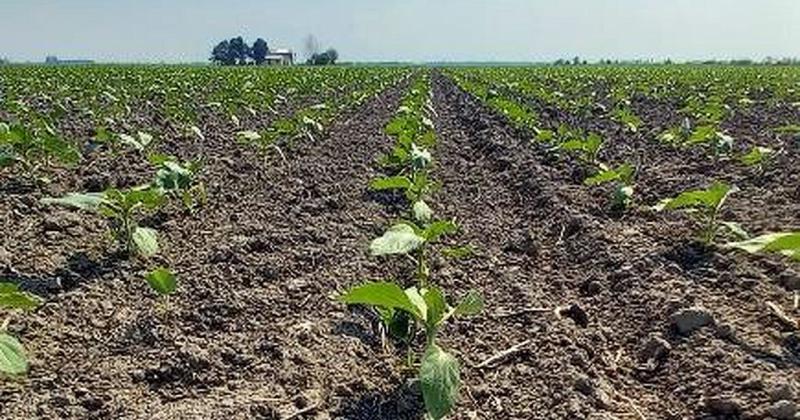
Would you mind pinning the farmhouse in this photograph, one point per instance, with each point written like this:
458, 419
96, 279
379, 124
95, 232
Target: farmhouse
280, 57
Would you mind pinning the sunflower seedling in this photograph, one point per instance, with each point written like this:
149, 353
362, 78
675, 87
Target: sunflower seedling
141, 142
13, 360
587, 149
705, 205
121, 208
178, 180
34, 149
439, 373
758, 158
623, 177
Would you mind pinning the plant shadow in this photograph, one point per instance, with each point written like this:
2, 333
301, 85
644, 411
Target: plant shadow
402, 402
690, 256
80, 268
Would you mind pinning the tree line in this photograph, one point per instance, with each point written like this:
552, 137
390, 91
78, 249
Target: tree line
236, 52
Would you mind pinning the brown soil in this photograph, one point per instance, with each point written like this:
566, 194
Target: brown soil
254, 331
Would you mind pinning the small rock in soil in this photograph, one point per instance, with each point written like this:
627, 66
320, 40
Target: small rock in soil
599, 390
789, 279
784, 410
723, 406
688, 320
782, 391
592, 287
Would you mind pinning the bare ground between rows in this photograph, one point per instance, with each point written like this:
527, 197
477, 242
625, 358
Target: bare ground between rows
545, 241
254, 331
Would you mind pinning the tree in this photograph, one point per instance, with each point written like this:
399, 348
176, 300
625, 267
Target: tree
221, 54
259, 51
238, 50
333, 55
328, 57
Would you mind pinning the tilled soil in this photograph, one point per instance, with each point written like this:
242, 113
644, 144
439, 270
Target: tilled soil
621, 283
591, 299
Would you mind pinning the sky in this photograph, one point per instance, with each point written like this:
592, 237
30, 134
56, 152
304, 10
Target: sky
404, 30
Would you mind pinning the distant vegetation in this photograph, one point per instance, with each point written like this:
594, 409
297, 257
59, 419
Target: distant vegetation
328, 57
235, 52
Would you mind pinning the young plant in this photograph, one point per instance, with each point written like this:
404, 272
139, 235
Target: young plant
705, 205
142, 142
758, 158
178, 180
623, 176
439, 373
415, 187
627, 118
13, 360
121, 208
162, 281
34, 149
587, 149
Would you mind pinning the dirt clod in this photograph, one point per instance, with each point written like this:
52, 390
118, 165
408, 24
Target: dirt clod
784, 410
685, 321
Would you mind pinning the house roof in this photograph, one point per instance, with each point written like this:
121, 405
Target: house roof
279, 51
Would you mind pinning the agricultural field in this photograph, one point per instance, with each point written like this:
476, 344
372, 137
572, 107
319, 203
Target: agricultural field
195, 242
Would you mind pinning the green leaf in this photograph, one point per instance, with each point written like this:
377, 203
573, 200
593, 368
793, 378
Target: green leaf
440, 381
131, 141
756, 155
439, 228
422, 213
87, 201
390, 183
623, 173
145, 195
418, 301
702, 134
470, 305
382, 294
458, 252
436, 306
712, 198
11, 297
146, 241
248, 136
61, 149
12, 356
162, 281
399, 239
735, 229
786, 243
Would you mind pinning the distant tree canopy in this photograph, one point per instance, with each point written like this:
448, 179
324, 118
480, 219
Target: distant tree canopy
236, 52
259, 51
328, 57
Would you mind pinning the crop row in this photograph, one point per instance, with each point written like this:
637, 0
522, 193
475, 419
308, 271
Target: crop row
32, 147
701, 128
413, 307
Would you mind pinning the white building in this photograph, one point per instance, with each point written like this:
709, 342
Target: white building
280, 57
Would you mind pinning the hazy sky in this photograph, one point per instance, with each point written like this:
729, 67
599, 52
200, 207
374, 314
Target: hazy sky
414, 30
